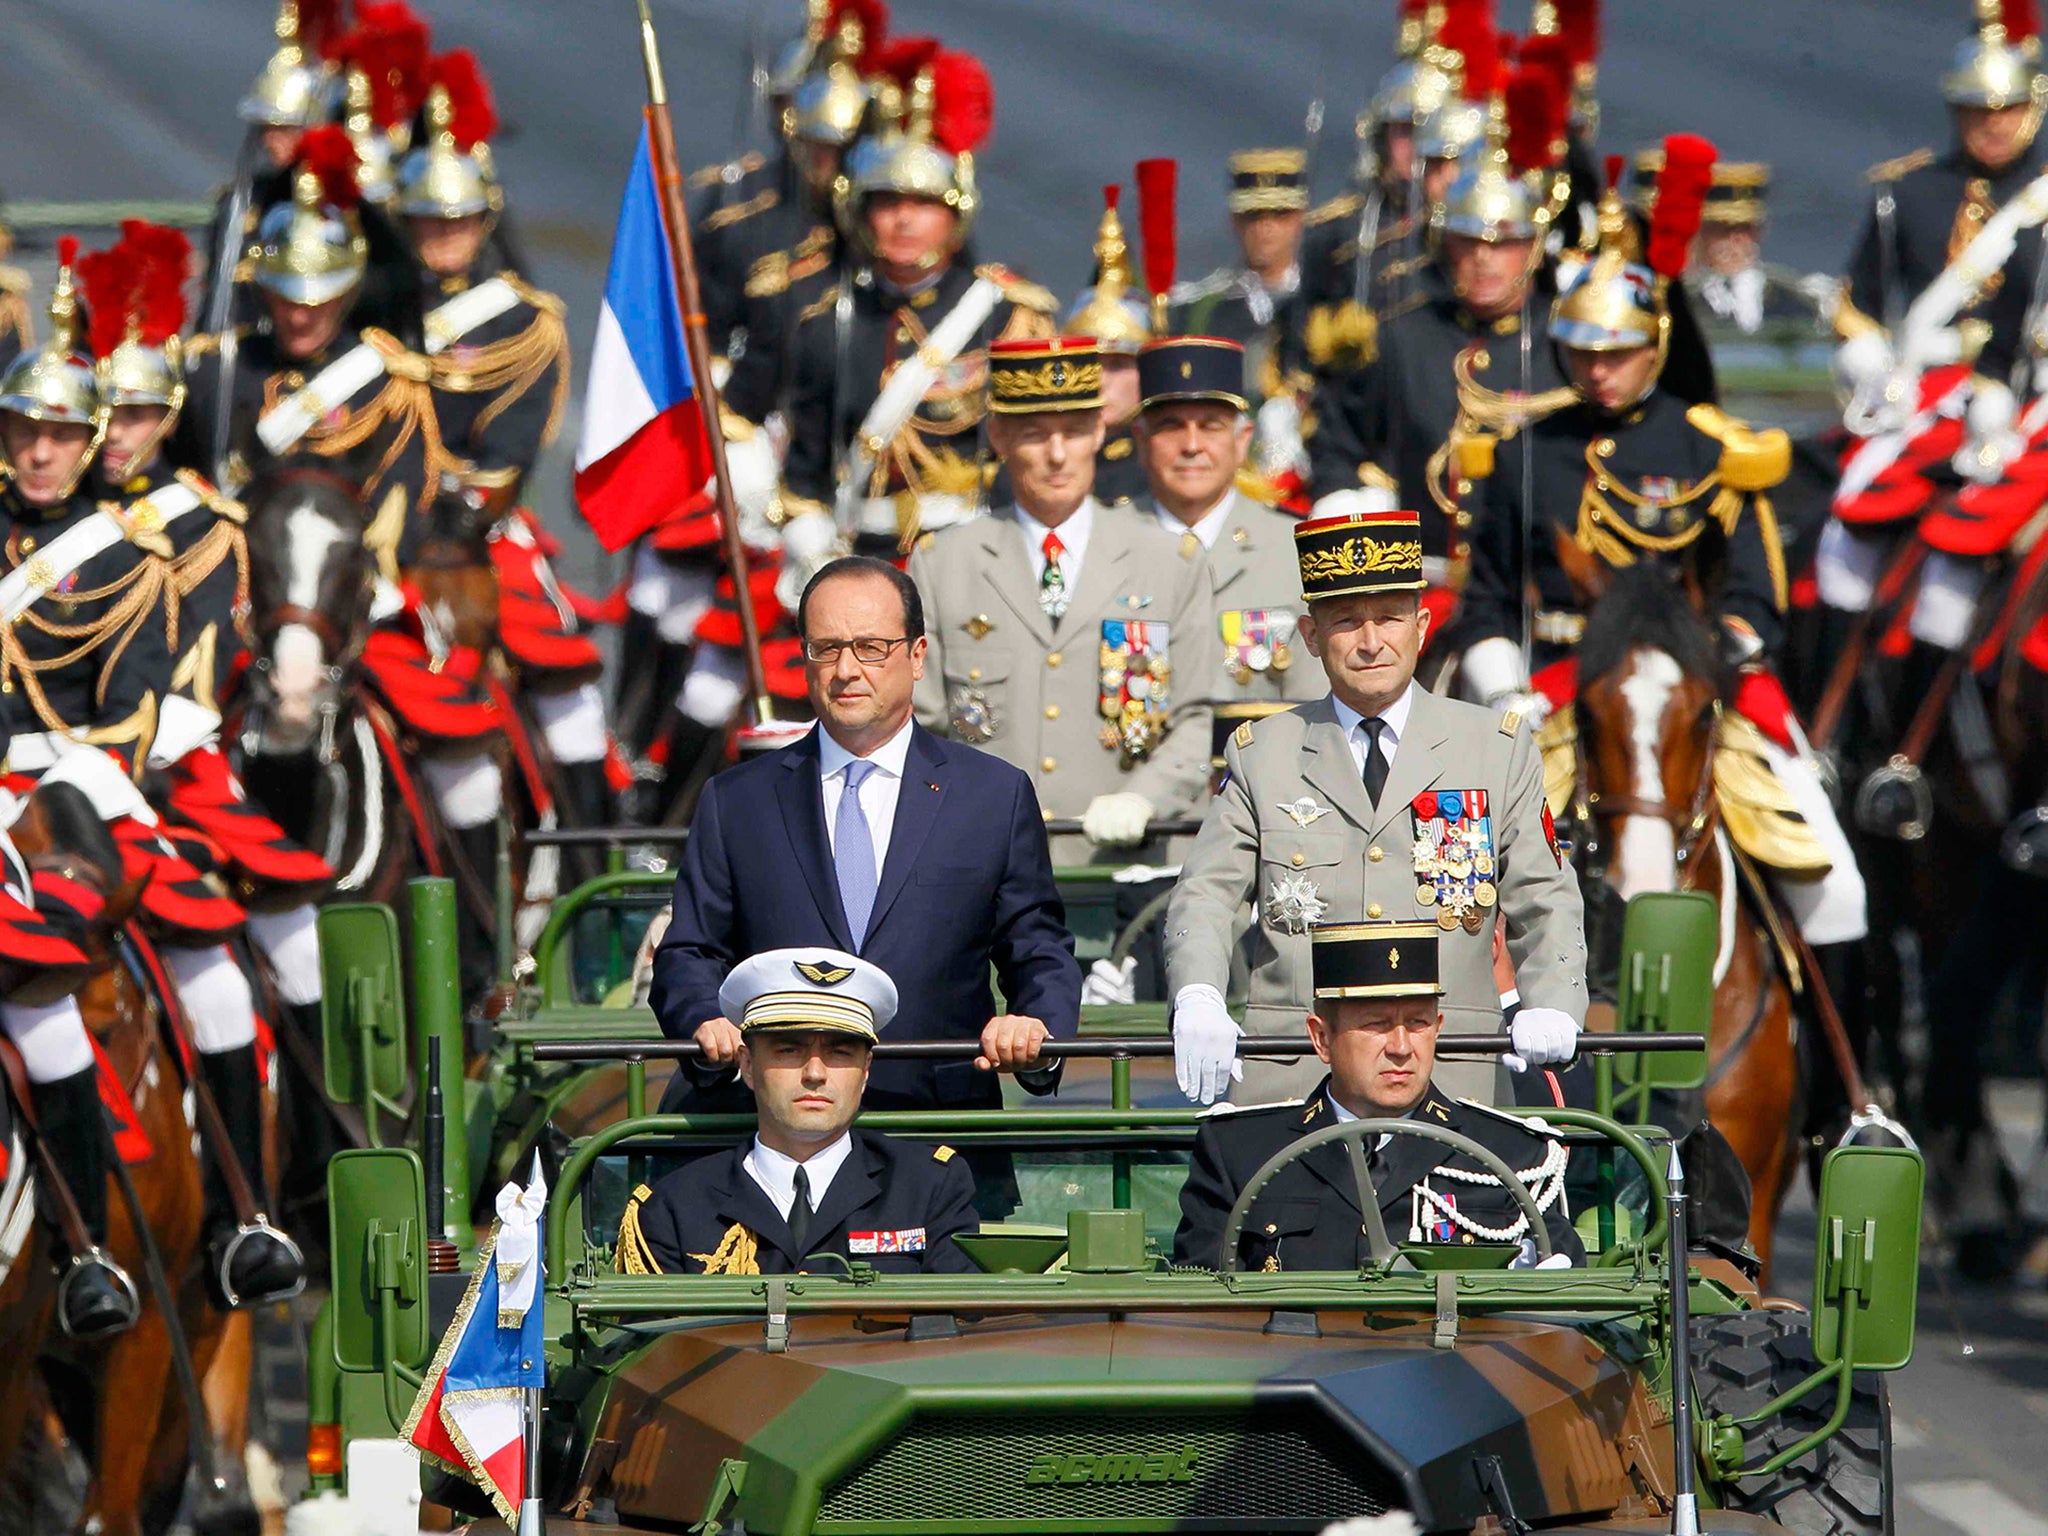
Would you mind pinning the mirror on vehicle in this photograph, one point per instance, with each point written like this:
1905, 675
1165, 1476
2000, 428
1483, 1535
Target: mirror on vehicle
1668, 943
1866, 1272
377, 1230
362, 1015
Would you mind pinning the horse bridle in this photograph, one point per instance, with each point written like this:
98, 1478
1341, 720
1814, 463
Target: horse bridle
340, 655
1691, 826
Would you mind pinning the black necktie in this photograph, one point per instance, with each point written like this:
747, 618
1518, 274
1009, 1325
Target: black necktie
1375, 761
800, 1212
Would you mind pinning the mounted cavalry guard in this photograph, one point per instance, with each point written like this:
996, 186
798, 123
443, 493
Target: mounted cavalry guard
1072, 640
1457, 350
1926, 207
1628, 473
134, 295
499, 356
85, 661
1108, 310
309, 388
1381, 800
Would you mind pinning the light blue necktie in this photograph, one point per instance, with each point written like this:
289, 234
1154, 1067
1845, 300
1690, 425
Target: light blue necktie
854, 853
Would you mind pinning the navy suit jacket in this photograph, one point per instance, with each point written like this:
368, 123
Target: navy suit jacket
967, 885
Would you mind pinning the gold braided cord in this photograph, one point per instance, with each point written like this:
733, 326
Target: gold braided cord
406, 404
737, 1254
634, 1255
510, 367
139, 590
1502, 412
1774, 549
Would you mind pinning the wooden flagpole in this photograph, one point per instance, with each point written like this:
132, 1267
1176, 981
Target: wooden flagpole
668, 180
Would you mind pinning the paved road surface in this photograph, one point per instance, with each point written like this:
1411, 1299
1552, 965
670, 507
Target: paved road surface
128, 98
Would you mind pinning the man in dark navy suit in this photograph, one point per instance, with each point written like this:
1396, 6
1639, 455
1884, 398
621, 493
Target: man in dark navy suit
807, 1183
871, 835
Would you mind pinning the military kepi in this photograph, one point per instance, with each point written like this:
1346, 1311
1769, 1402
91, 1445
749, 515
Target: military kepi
1053, 373
1360, 552
1375, 960
1268, 180
1191, 368
809, 989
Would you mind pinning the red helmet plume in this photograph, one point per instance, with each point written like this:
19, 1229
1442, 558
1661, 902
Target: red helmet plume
902, 58
136, 286
1538, 106
1578, 23
329, 153
963, 102
1157, 182
873, 16
390, 44
473, 118
1680, 203
320, 25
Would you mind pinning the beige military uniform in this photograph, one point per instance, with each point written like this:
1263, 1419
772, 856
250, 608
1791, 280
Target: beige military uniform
1001, 676
1292, 827
1256, 580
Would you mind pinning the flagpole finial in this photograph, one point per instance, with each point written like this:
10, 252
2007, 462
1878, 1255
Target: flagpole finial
650, 55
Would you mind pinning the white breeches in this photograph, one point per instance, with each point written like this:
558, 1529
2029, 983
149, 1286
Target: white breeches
50, 1037
290, 941
674, 596
469, 790
1832, 909
716, 683
573, 723
219, 1007
1846, 568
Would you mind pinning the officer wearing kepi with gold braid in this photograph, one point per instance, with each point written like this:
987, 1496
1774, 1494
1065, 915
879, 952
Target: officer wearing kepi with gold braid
808, 1183
1381, 800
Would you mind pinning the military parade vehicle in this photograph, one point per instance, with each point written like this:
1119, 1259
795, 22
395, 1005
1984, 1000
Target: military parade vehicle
1080, 1382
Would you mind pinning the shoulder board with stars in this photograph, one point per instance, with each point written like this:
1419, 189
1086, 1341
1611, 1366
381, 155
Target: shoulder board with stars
1017, 290
1899, 165
1511, 722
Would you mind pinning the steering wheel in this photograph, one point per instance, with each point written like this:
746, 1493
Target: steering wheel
1354, 1134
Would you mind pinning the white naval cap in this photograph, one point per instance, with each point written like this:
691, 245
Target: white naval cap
809, 989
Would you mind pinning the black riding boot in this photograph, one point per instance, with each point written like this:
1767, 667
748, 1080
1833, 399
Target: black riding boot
475, 938
95, 1297
256, 1263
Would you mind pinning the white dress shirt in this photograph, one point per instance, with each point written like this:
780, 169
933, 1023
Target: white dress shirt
1393, 722
1208, 527
775, 1171
878, 791
1073, 537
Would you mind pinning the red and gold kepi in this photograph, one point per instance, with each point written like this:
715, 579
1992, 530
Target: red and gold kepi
1360, 552
1053, 373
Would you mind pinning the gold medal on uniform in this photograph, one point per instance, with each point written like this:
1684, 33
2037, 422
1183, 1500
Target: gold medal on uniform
1136, 686
1453, 856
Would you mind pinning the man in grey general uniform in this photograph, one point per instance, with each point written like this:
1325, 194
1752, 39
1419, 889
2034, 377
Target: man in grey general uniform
1379, 801
1193, 434
1070, 641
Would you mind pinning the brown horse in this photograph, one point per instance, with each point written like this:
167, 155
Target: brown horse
1648, 714
118, 1400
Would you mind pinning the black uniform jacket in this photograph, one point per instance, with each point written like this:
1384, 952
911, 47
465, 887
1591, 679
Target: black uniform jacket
1396, 412
109, 682
205, 605
892, 1204
1655, 475
1309, 1217
499, 390
1929, 193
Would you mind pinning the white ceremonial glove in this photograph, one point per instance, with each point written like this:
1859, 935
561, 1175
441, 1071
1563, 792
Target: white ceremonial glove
810, 542
1278, 437
1116, 820
1543, 1037
1493, 674
755, 474
1109, 982
1204, 1044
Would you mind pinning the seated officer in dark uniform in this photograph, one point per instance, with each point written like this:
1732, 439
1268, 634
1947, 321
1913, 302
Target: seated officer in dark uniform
1375, 1025
807, 1183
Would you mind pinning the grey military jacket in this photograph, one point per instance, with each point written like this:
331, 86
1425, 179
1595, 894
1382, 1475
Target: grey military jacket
1292, 827
1001, 676
1256, 580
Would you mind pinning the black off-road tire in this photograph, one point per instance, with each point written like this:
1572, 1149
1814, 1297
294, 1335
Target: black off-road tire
1843, 1487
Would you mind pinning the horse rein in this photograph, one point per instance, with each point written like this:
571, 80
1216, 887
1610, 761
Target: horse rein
1691, 826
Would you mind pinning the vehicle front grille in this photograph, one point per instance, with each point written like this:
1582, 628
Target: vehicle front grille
1276, 1468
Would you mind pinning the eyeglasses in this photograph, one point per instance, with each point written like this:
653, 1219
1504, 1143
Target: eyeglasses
869, 653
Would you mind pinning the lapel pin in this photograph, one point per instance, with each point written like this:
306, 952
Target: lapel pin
978, 626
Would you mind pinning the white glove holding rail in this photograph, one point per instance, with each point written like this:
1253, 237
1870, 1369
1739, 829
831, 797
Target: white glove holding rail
1116, 820
1205, 1040
1110, 981
1543, 1037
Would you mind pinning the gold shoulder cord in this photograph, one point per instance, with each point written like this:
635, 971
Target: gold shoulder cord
406, 404
634, 1256
737, 1254
509, 368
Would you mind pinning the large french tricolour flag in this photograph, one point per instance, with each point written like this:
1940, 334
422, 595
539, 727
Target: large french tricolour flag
644, 451
470, 1414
